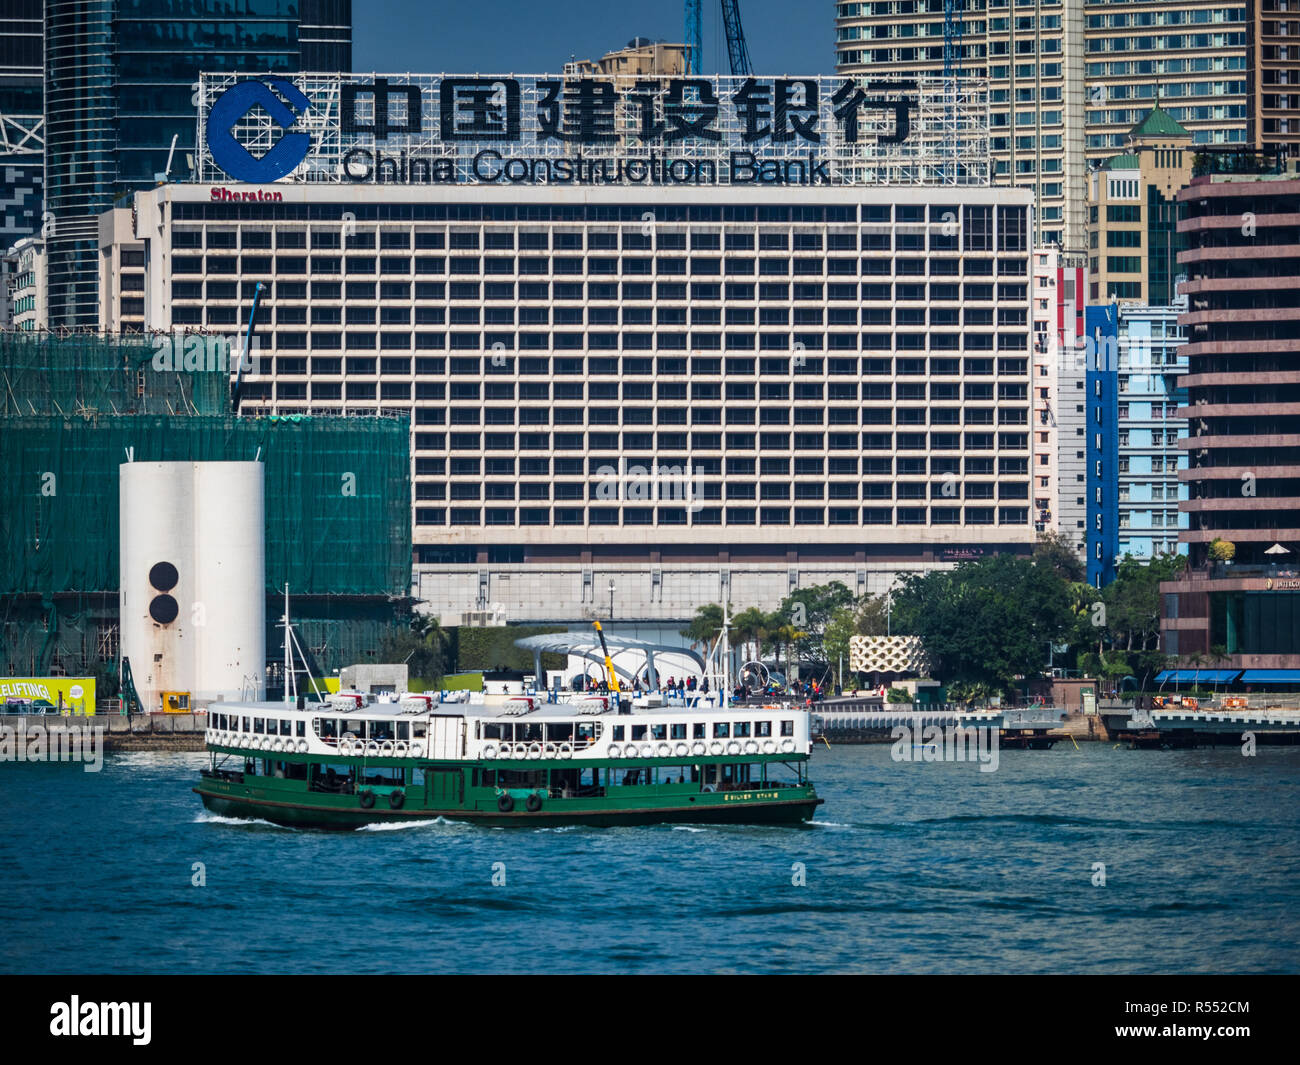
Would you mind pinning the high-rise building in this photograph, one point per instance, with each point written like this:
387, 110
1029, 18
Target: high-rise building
639, 56
1056, 391
1032, 56
1133, 213
665, 372
1149, 371
22, 132
1273, 98
122, 77
1187, 56
1242, 593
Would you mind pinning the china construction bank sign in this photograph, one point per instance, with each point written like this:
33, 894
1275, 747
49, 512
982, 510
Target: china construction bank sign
591, 130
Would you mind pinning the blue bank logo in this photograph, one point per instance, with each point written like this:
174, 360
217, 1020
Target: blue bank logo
236, 102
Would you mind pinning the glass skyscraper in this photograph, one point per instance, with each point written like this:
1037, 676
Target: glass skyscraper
121, 76
21, 136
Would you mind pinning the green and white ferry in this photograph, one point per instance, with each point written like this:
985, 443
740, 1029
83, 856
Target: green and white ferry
512, 758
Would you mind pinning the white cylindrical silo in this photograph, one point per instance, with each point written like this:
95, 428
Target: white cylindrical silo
193, 579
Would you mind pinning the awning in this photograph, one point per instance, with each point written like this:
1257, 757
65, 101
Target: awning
1271, 676
1208, 676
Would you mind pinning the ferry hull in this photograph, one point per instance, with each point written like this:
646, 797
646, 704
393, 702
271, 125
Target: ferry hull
718, 809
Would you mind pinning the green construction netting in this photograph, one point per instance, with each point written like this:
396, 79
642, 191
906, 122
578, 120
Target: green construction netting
338, 518
82, 374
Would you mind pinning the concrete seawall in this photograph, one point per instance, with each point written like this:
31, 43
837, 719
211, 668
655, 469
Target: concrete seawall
133, 732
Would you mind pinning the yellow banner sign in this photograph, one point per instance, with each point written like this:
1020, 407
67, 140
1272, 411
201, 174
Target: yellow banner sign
66, 695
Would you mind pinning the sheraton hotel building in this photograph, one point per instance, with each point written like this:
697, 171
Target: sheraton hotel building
683, 391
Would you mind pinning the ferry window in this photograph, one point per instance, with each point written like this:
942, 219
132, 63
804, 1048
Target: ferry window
381, 730
245, 728
679, 731
741, 731
495, 731
697, 731
354, 726
617, 734
302, 729
787, 728
529, 732
721, 730
403, 730
638, 732
327, 727
586, 733
658, 732
419, 730
286, 728
417, 777
259, 724
559, 731
762, 728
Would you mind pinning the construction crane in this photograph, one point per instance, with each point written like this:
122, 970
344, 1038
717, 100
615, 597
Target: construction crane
609, 662
737, 49
953, 28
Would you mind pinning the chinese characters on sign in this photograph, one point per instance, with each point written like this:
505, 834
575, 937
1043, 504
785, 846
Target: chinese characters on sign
625, 130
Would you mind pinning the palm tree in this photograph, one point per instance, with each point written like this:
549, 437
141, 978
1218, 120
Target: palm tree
750, 627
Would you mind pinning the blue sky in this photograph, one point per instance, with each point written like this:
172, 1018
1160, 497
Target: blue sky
501, 36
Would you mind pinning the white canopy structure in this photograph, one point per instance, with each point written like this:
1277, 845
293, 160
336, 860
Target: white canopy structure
587, 646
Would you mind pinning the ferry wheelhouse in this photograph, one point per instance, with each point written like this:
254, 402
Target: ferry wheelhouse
511, 759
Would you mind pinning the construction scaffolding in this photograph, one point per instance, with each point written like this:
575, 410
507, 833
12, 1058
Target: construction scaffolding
338, 517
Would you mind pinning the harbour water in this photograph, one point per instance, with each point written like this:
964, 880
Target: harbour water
910, 867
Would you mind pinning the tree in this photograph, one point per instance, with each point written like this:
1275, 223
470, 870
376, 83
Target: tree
810, 610
835, 640
705, 626
1222, 550
985, 622
750, 626
1054, 549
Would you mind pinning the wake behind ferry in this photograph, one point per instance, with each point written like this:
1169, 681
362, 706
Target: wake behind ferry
512, 759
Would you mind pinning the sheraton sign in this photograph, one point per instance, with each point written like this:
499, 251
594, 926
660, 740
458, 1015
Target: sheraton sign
612, 130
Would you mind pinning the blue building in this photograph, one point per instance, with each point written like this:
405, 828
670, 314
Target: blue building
1101, 385
1134, 367
120, 80
1149, 393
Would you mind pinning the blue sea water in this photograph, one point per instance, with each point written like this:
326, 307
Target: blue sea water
909, 868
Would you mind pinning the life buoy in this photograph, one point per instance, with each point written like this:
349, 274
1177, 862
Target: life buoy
565, 750
372, 747
505, 803
768, 746
715, 747
417, 750
751, 747
533, 803
550, 750
302, 746
387, 747
681, 750
663, 750
534, 750
400, 749
367, 799
490, 750
615, 751
733, 748
647, 750
697, 748
396, 799
276, 745
787, 746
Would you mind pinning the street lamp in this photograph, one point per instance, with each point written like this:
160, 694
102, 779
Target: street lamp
611, 599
